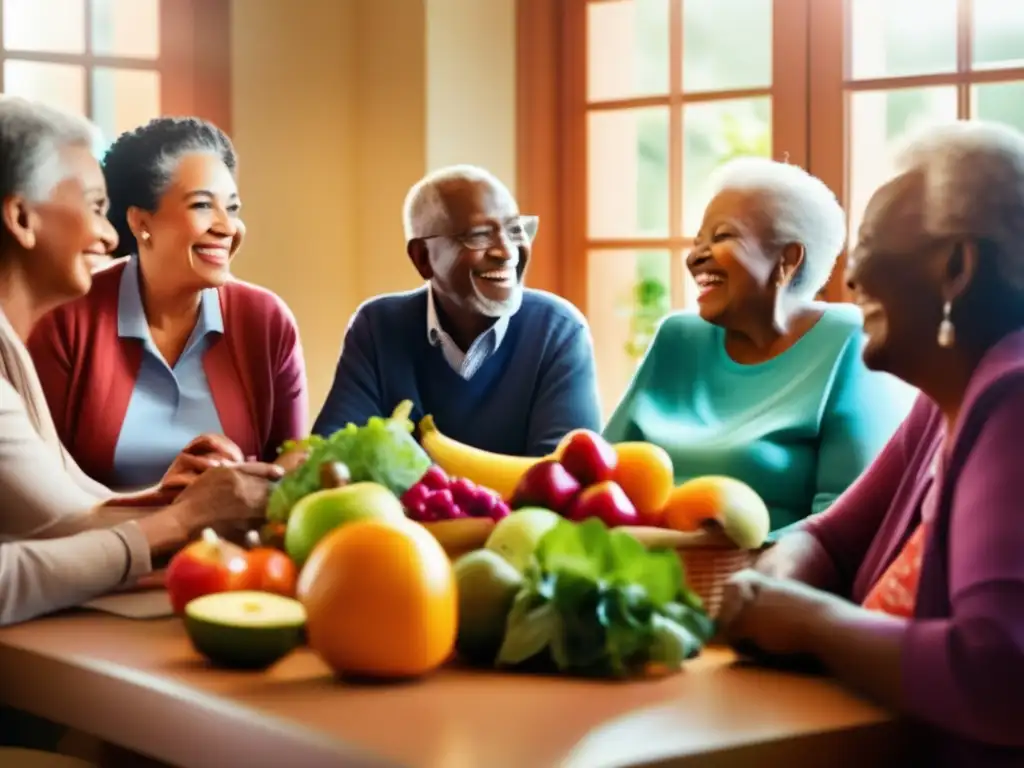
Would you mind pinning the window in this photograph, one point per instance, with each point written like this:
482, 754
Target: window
120, 62
655, 94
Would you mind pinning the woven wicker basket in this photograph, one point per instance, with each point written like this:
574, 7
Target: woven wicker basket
709, 559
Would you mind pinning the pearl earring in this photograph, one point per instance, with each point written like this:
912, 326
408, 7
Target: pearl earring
145, 236
947, 333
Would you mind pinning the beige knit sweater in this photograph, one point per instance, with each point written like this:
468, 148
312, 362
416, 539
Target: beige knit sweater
58, 546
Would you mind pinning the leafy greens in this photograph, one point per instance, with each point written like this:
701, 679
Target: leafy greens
599, 603
383, 451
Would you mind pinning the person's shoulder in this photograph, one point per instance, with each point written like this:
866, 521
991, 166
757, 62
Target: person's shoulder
392, 310
549, 309
683, 326
841, 320
256, 301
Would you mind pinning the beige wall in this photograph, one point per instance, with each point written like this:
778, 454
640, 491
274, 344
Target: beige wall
338, 107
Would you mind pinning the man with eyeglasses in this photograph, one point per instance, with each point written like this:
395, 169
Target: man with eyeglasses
499, 367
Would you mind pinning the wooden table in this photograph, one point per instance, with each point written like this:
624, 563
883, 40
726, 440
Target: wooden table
140, 685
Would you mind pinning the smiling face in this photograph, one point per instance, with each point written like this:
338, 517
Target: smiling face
734, 273
895, 274
195, 231
477, 265
66, 234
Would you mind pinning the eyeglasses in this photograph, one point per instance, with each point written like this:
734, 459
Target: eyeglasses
519, 231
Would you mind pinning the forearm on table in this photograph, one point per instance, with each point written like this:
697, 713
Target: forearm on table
39, 577
861, 648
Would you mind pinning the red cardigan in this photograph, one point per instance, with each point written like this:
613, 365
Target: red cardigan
255, 371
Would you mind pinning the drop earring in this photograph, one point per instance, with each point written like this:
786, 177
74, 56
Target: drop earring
947, 333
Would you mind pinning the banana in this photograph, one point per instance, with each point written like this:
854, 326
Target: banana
499, 472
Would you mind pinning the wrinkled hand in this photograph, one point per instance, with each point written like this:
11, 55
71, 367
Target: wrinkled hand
227, 499
773, 616
202, 454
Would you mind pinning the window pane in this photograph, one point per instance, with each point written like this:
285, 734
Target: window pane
999, 102
627, 161
126, 28
998, 34
29, 25
715, 132
879, 120
710, 65
893, 38
123, 99
627, 293
689, 285
60, 85
627, 49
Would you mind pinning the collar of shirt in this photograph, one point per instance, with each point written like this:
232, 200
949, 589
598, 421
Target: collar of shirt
131, 316
463, 363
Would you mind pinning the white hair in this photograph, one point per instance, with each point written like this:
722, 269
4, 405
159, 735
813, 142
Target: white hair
798, 208
973, 186
425, 211
32, 135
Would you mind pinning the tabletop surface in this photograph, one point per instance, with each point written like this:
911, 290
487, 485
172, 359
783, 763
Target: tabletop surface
140, 684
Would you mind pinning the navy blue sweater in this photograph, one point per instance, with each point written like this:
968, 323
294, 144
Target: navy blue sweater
538, 385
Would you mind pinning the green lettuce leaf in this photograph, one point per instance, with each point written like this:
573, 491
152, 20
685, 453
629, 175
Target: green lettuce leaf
383, 451
600, 603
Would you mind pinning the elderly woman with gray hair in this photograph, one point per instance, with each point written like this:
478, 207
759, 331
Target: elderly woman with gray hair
63, 537
911, 587
168, 348
765, 384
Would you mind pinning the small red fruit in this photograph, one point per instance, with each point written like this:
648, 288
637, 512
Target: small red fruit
546, 484
589, 458
268, 569
204, 567
435, 478
607, 502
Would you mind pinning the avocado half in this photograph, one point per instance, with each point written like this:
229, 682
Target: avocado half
245, 630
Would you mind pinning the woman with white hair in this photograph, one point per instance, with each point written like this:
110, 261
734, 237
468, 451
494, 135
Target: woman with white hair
765, 384
911, 587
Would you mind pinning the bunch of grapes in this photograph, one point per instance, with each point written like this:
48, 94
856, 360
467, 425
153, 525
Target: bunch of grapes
439, 497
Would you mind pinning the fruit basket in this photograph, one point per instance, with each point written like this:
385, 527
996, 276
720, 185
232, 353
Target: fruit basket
709, 557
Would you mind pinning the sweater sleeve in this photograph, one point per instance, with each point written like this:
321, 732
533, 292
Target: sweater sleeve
355, 395
862, 412
291, 390
965, 674
566, 398
51, 352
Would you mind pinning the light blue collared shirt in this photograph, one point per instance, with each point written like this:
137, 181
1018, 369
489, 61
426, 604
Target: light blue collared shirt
463, 363
170, 406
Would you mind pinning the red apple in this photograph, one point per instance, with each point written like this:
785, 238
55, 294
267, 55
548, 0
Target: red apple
589, 457
546, 484
607, 502
204, 567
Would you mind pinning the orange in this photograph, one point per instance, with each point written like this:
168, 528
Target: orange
380, 599
644, 472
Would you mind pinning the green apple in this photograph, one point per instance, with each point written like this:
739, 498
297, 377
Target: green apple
515, 537
487, 585
319, 513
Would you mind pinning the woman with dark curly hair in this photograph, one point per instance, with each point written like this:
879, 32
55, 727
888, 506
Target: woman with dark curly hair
168, 348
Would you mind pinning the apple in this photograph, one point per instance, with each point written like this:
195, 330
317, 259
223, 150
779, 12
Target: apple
607, 502
516, 536
589, 458
546, 484
204, 567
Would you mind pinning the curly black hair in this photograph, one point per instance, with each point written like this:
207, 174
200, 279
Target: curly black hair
139, 165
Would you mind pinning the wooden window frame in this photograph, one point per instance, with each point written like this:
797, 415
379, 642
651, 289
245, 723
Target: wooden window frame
552, 147
194, 62
831, 86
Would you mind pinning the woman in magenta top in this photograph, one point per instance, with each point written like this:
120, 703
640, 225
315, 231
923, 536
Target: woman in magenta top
167, 345
911, 587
